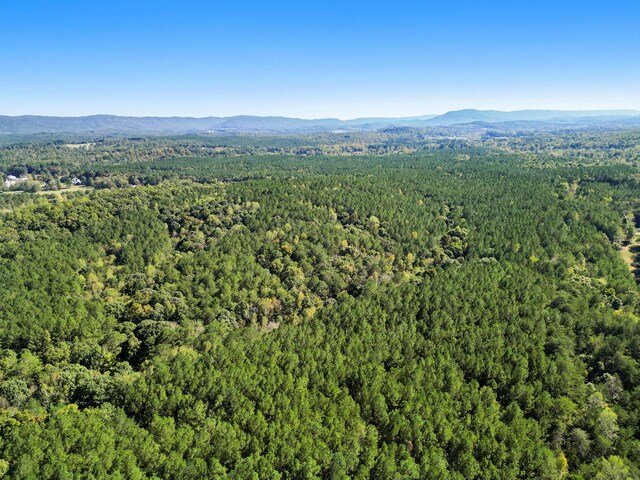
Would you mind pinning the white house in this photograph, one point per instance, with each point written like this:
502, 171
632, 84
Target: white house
12, 180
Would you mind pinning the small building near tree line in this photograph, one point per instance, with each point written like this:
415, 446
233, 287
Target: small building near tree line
11, 180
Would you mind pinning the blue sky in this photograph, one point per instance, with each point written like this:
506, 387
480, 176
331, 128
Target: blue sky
316, 59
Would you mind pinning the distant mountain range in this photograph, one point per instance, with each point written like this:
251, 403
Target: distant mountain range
30, 124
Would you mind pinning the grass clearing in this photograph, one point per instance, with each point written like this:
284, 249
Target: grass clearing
631, 253
74, 188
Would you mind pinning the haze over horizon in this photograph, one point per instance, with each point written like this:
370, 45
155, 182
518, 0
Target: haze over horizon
581, 113
335, 59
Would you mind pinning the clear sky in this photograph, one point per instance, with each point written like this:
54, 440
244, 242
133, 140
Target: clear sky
314, 59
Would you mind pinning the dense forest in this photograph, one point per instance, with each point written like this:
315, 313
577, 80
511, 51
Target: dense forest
388, 306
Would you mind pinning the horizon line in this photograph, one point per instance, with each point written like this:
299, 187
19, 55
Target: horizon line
626, 110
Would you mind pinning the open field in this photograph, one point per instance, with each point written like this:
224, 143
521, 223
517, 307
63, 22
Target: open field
74, 188
631, 253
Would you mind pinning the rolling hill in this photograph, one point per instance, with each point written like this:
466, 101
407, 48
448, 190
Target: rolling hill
31, 124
